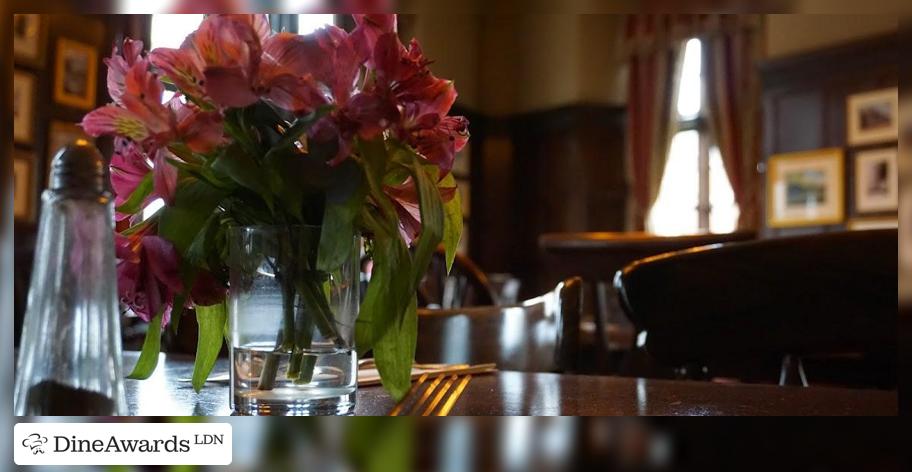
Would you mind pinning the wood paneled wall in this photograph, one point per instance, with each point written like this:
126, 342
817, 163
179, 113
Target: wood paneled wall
804, 103
549, 171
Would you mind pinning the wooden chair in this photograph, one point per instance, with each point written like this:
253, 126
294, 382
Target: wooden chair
466, 284
820, 296
539, 335
607, 334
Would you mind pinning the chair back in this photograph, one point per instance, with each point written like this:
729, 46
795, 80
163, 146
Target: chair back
465, 285
807, 295
538, 335
596, 257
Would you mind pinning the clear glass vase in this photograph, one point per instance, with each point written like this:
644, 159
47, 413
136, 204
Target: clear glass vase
291, 323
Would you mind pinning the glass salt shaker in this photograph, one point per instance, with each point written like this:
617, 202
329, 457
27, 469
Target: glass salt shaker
70, 353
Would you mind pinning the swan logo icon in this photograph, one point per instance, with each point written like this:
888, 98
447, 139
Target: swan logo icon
35, 442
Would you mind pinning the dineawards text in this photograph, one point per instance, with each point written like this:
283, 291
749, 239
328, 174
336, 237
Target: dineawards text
71, 444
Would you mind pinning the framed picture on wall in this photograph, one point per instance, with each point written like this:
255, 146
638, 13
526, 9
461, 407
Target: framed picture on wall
872, 117
876, 180
864, 224
62, 133
29, 33
75, 74
23, 107
805, 188
23, 187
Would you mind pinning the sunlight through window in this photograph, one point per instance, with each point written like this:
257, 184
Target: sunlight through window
689, 90
681, 207
169, 31
309, 23
675, 210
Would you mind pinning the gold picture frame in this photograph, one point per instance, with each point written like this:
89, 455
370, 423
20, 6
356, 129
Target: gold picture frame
29, 37
869, 223
75, 74
806, 188
872, 117
24, 198
24, 90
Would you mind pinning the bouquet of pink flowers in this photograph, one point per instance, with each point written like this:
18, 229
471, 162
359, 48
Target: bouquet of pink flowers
346, 131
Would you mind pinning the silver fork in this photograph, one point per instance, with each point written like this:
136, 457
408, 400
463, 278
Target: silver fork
437, 397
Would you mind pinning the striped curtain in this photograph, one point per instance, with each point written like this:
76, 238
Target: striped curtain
732, 98
732, 45
653, 52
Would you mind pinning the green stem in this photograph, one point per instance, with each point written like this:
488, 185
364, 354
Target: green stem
270, 367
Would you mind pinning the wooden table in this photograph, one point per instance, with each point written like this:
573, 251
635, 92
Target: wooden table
519, 393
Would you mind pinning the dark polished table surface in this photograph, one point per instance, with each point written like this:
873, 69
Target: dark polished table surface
519, 393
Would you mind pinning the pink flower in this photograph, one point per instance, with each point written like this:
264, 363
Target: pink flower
423, 102
405, 200
148, 276
139, 114
234, 60
119, 65
129, 166
368, 28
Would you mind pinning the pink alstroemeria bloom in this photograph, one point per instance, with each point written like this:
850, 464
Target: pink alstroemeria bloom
234, 60
147, 274
130, 165
336, 64
138, 113
368, 28
119, 65
405, 201
423, 102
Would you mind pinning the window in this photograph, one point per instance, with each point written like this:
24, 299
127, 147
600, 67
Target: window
695, 194
312, 22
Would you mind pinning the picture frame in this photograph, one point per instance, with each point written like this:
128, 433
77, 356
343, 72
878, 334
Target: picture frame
75, 74
872, 117
864, 224
29, 38
24, 100
24, 198
62, 133
806, 188
876, 180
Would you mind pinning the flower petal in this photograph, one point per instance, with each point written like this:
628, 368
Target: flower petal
181, 66
164, 176
229, 86
112, 119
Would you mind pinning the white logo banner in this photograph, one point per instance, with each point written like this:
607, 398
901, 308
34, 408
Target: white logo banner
122, 444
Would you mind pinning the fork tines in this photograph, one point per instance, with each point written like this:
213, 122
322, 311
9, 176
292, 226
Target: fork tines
443, 390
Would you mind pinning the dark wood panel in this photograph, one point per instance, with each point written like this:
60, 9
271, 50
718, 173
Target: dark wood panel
804, 102
550, 171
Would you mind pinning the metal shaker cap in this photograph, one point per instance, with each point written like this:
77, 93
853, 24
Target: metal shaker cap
79, 167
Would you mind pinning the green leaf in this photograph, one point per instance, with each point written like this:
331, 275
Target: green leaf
432, 218
211, 320
194, 202
395, 351
294, 177
389, 290
148, 358
452, 222
300, 126
139, 195
344, 200
239, 165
